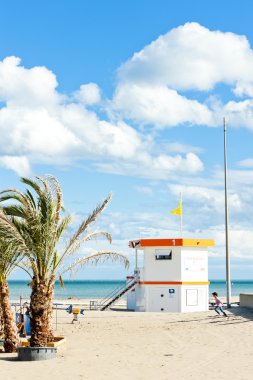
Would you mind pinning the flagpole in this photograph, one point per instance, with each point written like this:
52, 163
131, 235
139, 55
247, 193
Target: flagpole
181, 218
178, 211
228, 281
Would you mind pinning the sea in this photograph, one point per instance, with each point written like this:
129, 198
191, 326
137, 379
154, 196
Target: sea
94, 289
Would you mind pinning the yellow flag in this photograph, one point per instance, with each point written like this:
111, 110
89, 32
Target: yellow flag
178, 211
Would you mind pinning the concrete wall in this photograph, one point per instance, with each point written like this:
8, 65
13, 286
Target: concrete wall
246, 300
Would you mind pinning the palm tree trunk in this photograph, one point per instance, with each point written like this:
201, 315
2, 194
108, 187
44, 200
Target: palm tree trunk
10, 328
1, 324
41, 312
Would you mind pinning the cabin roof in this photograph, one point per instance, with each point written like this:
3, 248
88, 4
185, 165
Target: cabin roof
141, 243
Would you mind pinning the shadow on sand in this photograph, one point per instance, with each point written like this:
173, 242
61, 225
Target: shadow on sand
235, 315
8, 357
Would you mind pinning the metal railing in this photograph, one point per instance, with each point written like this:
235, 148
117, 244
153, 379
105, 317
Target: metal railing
116, 294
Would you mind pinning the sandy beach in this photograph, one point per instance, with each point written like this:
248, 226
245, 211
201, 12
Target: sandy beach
124, 345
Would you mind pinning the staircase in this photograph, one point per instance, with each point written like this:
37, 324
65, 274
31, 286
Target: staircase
116, 294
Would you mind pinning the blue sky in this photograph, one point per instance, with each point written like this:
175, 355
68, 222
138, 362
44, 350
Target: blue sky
128, 97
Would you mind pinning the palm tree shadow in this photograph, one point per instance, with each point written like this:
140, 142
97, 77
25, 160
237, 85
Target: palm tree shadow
7, 358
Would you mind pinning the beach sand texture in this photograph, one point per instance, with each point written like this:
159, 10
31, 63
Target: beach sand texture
128, 345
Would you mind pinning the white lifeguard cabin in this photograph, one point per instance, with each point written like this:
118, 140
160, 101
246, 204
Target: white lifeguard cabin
174, 277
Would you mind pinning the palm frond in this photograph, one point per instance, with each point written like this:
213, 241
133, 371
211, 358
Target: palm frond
61, 281
17, 265
91, 236
53, 261
10, 233
26, 202
11, 194
96, 234
33, 184
10, 257
12, 236
63, 226
97, 258
15, 210
57, 226
85, 224
29, 194
33, 225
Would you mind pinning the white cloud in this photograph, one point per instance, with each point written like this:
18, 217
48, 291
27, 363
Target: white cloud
247, 163
145, 190
237, 113
160, 167
240, 114
35, 131
240, 178
240, 241
193, 57
40, 125
189, 57
21, 87
88, 94
159, 105
207, 199
19, 164
163, 225
176, 147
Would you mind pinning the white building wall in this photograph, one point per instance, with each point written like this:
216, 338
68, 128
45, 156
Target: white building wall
140, 298
162, 270
131, 301
160, 299
194, 264
188, 264
184, 298
194, 298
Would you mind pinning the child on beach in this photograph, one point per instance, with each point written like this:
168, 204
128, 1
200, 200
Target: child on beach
218, 308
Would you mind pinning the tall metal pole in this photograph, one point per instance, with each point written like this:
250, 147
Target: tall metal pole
228, 281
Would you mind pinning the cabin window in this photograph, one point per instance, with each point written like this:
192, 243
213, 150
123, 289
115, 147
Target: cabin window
163, 254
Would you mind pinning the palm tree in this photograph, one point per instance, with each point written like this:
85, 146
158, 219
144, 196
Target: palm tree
9, 259
37, 231
1, 324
